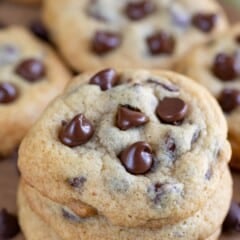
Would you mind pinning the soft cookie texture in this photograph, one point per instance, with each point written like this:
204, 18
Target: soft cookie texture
70, 226
216, 65
31, 75
150, 34
136, 140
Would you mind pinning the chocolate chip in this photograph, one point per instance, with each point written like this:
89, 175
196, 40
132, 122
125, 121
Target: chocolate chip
8, 92
77, 182
238, 39
77, 132
161, 43
31, 70
139, 10
137, 158
232, 221
129, 117
105, 79
170, 144
168, 87
104, 42
8, 225
39, 30
229, 100
172, 110
224, 67
204, 21
8, 54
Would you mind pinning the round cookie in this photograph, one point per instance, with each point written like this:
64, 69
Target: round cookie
136, 140
31, 75
216, 65
69, 226
146, 34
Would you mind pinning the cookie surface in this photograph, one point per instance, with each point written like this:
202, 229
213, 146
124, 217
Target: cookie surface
70, 226
31, 75
141, 141
216, 65
146, 34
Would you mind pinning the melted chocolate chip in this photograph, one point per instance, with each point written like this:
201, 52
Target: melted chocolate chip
161, 43
104, 42
232, 221
205, 22
8, 92
229, 100
31, 70
129, 117
172, 110
139, 10
168, 87
137, 158
77, 182
224, 67
77, 132
39, 30
8, 225
105, 79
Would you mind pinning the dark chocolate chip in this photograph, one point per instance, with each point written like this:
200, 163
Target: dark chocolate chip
237, 39
77, 132
170, 144
168, 87
129, 117
161, 43
31, 70
232, 221
39, 30
172, 110
77, 182
139, 10
8, 92
105, 79
137, 158
9, 227
224, 67
229, 100
104, 42
205, 22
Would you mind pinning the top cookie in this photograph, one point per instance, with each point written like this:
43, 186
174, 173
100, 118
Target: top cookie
216, 65
151, 34
137, 146
31, 75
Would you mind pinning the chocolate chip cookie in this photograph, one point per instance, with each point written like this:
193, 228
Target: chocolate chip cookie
136, 140
216, 65
69, 225
152, 34
31, 75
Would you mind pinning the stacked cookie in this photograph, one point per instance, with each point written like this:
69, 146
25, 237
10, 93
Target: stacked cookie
93, 34
216, 65
126, 154
31, 75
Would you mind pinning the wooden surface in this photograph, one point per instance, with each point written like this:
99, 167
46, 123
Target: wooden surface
11, 13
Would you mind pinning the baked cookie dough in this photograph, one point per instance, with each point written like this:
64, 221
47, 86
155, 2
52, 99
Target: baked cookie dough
216, 65
148, 34
137, 140
31, 75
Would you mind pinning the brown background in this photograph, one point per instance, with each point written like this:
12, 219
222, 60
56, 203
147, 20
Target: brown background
13, 13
